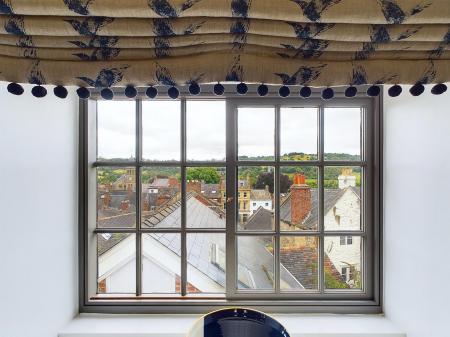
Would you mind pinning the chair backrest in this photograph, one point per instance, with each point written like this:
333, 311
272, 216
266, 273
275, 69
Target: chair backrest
237, 322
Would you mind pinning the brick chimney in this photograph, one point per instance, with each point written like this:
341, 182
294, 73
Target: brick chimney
194, 186
300, 199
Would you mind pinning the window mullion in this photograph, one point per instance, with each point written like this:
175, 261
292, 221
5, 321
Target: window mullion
276, 190
231, 173
321, 200
138, 197
183, 199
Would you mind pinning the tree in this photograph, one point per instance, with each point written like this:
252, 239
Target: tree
266, 179
208, 175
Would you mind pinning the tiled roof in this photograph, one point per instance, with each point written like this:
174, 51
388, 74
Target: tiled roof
260, 195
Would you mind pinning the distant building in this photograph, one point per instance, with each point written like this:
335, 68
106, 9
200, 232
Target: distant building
260, 198
126, 182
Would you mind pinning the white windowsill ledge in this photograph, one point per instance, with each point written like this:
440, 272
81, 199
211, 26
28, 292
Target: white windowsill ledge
96, 325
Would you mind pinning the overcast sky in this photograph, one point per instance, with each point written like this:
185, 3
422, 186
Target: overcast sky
205, 121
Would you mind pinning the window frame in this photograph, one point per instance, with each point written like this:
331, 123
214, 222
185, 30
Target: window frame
366, 301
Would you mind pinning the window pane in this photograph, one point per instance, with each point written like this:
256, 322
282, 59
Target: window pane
206, 263
116, 197
299, 198
255, 269
256, 133
205, 197
161, 197
343, 263
299, 257
205, 130
255, 204
342, 134
161, 130
116, 129
116, 263
298, 133
161, 263
342, 198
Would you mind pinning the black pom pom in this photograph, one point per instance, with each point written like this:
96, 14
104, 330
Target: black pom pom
173, 92
351, 91
219, 89
305, 92
60, 91
130, 91
327, 93
83, 93
395, 90
107, 94
439, 89
242, 88
194, 89
373, 91
39, 91
263, 90
284, 91
151, 92
15, 89
417, 89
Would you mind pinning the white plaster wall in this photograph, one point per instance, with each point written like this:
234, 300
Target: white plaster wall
256, 204
416, 203
38, 207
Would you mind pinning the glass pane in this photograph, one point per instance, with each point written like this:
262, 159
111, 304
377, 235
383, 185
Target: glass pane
299, 198
116, 263
116, 197
255, 269
298, 133
255, 204
205, 130
299, 258
342, 198
206, 263
205, 197
256, 133
161, 130
161, 197
116, 124
342, 134
343, 262
161, 263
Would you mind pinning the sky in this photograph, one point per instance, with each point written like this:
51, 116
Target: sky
205, 124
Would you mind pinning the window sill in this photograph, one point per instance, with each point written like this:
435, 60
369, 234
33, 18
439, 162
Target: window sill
96, 325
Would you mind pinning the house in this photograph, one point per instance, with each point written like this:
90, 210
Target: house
300, 211
260, 198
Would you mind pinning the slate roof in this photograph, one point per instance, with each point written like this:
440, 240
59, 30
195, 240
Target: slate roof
211, 191
261, 219
253, 254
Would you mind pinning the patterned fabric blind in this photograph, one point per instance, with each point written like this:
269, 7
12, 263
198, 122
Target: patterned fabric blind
105, 43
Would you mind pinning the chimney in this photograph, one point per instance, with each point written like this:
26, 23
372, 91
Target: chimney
194, 186
300, 199
346, 178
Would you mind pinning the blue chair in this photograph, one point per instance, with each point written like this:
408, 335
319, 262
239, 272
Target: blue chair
237, 322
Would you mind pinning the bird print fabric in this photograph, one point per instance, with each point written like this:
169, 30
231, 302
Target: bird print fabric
98, 43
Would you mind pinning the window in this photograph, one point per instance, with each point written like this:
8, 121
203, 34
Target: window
161, 218
346, 240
